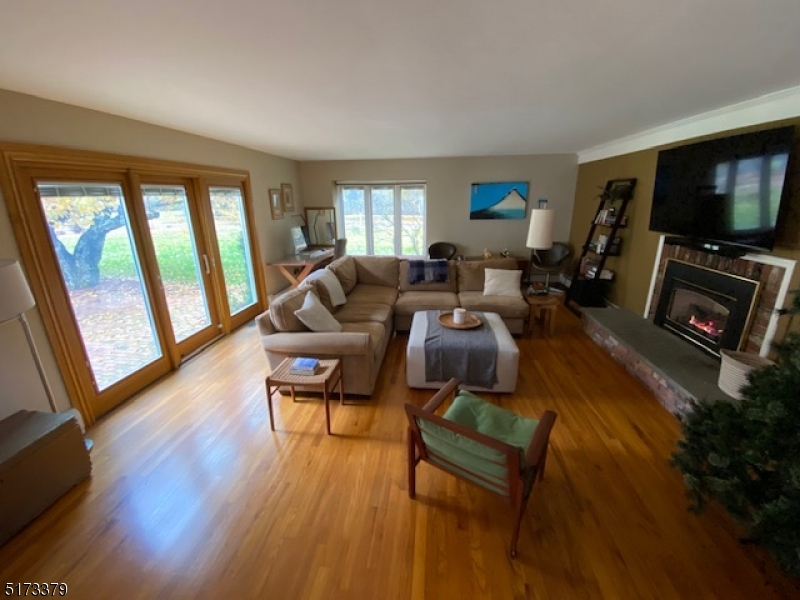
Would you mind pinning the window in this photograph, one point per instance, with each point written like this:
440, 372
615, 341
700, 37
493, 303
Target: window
383, 218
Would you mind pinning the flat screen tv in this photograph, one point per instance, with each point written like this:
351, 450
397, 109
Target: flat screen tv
725, 190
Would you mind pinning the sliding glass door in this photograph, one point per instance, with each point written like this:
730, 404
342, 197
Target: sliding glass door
98, 260
229, 215
184, 267
133, 270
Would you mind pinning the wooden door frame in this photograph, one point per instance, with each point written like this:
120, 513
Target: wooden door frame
16, 161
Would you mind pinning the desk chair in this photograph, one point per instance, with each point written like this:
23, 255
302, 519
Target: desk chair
482, 444
441, 250
554, 260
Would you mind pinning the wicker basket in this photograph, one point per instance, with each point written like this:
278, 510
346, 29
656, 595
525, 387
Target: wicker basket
734, 369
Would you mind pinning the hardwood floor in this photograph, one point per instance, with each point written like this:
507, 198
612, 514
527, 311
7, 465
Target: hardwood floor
192, 496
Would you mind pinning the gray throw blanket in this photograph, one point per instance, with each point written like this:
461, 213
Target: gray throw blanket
469, 354
427, 271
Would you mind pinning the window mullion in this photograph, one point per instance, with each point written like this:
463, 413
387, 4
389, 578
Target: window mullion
368, 218
398, 217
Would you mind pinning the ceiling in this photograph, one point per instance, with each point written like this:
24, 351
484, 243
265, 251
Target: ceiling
362, 79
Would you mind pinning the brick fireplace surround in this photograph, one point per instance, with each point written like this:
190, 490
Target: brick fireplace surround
677, 373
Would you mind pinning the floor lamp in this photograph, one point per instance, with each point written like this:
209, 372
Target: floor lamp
540, 237
15, 299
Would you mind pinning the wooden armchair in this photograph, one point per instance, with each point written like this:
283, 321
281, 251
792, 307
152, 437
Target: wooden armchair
481, 443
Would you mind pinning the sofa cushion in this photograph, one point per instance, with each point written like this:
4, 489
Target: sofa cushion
315, 316
501, 424
331, 285
320, 290
281, 310
354, 312
451, 285
376, 332
345, 270
471, 272
508, 307
378, 270
410, 302
502, 282
373, 294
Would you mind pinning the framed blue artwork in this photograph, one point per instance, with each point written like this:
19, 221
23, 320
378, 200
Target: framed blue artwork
500, 200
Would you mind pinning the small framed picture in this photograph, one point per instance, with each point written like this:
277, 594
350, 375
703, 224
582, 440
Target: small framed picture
288, 197
620, 189
275, 204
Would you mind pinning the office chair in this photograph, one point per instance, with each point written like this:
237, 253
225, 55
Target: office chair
441, 250
553, 260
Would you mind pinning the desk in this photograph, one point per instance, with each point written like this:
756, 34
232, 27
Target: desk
296, 267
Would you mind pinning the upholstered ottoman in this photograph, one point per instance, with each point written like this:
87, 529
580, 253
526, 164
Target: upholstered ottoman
507, 363
42, 455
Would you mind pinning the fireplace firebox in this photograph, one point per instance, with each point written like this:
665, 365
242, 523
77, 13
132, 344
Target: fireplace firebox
705, 307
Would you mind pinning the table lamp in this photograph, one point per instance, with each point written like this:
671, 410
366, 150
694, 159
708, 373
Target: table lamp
15, 299
540, 237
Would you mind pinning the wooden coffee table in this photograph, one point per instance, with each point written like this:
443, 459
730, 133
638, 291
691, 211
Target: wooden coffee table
327, 377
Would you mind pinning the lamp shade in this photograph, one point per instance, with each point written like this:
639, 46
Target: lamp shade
15, 295
540, 230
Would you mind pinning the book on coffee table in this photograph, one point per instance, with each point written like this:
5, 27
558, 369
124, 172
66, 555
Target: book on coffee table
304, 366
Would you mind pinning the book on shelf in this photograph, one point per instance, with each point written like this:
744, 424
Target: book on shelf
591, 273
304, 366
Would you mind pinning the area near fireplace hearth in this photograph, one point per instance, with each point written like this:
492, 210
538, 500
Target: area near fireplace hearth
679, 369
749, 289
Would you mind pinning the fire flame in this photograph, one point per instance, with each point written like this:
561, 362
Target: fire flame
709, 326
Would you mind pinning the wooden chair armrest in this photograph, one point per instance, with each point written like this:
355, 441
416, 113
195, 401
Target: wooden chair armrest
541, 437
440, 396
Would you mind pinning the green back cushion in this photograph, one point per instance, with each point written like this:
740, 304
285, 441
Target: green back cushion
471, 456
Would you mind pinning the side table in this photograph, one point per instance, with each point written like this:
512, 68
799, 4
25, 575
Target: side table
544, 307
327, 377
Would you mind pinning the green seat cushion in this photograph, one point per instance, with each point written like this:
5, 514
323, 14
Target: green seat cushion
469, 456
498, 423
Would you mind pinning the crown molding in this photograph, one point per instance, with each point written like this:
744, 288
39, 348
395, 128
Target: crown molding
771, 107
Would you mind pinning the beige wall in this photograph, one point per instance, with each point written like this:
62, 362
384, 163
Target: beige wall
448, 180
634, 267
26, 119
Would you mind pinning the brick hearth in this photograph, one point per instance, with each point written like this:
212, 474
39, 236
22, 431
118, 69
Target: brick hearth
679, 375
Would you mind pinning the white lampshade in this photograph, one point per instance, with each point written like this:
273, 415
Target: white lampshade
15, 295
540, 230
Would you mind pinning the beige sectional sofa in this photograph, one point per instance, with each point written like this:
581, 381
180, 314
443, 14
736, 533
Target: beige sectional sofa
379, 301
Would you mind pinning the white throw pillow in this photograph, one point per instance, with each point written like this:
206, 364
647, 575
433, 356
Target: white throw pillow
315, 316
502, 282
331, 283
